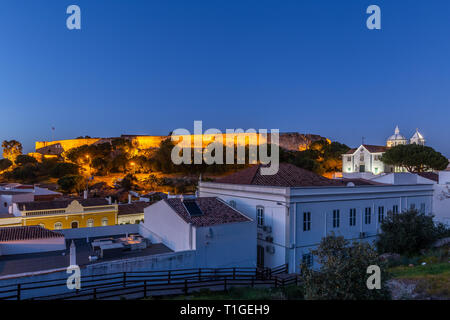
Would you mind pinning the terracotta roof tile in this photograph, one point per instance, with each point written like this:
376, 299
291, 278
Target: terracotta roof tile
27, 233
132, 208
288, 176
370, 148
214, 210
60, 204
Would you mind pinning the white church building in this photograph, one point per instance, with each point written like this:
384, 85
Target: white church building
367, 158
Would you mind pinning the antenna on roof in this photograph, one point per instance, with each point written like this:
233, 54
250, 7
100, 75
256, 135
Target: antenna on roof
362, 140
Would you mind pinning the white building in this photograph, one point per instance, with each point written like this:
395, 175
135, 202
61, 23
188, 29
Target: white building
130, 213
220, 235
9, 197
441, 198
367, 158
295, 208
29, 239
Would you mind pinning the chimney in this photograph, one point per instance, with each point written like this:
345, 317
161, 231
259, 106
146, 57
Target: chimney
85, 194
73, 254
129, 197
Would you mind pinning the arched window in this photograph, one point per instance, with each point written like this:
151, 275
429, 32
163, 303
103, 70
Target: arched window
58, 226
90, 223
104, 222
74, 225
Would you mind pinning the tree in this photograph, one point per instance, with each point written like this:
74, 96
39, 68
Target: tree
5, 164
11, 149
415, 158
64, 168
26, 173
71, 183
343, 272
24, 159
128, 182
407, 233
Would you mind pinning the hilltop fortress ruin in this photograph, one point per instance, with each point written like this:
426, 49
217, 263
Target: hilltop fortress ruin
289, 141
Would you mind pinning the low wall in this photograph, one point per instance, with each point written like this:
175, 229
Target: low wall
99, 231
159, 262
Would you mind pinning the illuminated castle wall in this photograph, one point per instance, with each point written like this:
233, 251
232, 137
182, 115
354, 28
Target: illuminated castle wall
289, 141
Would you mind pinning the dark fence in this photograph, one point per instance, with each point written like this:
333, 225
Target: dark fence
144, 283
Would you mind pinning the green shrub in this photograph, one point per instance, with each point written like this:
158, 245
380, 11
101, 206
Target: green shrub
343, 272
407, 233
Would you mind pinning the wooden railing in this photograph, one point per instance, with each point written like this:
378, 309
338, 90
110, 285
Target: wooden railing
144, 283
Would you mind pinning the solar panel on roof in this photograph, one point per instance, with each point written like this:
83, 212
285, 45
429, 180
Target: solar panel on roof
193, 208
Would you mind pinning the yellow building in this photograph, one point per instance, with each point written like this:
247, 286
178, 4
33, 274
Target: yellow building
67, 214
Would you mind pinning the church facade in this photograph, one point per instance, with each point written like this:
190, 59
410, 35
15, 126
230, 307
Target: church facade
367, 158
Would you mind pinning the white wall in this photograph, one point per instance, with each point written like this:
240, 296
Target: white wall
402, 178
80, 233
441, 203
32, 246
174, 232
129, 218
226, 245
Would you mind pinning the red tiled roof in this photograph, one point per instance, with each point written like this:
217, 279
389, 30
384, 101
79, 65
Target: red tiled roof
370, 148
288, 175
132, 208
27, 233
60, 204
351, 151
214, 210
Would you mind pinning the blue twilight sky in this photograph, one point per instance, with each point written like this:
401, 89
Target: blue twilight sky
149, 67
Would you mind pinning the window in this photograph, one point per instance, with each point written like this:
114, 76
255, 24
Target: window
422, 208
349, 159
413, 206
260, 256
361, 158
260, 216
335, 218
306, 221
58, 226
307, 259
74, 225
233, 204
352, 217
5, 204
380, 214
395, 209
104, 222
376, 170
90, 223
368, 215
